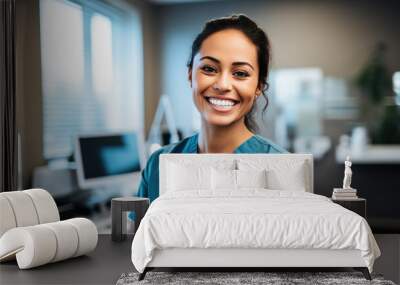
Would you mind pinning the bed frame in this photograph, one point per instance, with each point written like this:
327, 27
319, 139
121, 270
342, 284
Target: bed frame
242, 259
246, 258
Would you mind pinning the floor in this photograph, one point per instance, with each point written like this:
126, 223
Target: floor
110, 259
103, 266
388, 264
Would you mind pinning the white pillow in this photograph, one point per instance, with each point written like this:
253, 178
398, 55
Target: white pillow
292, 179
282, 174
223, 179
236, 179
184, 174
183, 177
251, 178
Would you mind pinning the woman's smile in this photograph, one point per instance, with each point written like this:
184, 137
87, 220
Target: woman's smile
222, 104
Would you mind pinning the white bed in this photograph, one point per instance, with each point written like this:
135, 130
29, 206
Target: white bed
200, 220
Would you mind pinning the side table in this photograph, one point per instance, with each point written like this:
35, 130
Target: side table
118, 208
357, 205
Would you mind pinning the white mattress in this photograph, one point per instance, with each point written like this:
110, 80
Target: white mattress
252, 218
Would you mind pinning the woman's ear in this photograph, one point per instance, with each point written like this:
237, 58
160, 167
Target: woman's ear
259, 89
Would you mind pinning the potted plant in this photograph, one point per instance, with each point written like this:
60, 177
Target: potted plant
378, 110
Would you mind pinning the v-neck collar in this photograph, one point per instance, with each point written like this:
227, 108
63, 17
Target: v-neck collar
194, 144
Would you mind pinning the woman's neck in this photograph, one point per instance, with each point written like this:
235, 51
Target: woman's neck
217, 139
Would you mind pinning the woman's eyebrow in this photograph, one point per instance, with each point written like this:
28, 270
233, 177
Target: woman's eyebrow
236, 63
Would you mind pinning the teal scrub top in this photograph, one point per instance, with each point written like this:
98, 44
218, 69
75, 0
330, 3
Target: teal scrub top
149, 185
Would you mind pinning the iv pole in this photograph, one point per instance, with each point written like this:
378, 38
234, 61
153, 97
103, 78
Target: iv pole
164, 108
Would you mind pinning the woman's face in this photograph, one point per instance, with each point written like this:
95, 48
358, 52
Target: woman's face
224, 77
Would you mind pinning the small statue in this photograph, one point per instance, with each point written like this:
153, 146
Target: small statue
347, 174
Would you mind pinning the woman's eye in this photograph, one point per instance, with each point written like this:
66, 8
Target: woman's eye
208, 69
241, 74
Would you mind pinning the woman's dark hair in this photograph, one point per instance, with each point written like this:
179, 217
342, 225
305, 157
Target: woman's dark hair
258, 38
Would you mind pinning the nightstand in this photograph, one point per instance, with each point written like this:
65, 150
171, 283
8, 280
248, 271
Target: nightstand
357, 205
118, 216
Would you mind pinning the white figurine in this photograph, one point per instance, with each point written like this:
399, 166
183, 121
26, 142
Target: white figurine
347, 174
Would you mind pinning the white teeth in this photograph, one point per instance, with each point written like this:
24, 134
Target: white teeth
223, 103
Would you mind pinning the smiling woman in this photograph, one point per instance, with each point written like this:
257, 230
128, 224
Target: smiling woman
227, 72
224, 76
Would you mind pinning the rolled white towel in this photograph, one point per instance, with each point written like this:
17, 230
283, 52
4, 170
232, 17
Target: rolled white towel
66, 239
26, 208
7, 218
40, 244
33, 246
23, 208
87, 235
45, 205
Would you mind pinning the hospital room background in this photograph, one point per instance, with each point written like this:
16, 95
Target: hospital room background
118, 76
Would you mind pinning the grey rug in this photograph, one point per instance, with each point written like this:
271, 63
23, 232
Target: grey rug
228, 278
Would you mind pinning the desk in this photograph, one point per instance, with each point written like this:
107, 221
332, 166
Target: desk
102, 266
373, 154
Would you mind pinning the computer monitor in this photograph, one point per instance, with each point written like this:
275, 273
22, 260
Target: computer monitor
108, 159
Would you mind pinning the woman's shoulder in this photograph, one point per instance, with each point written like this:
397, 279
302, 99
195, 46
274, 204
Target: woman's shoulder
264, 145
186, 145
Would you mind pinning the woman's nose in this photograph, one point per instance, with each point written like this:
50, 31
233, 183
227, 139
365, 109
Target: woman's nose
223, 83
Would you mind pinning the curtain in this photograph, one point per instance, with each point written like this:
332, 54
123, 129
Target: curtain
8, 141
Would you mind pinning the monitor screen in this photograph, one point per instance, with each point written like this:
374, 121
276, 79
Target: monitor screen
107, 156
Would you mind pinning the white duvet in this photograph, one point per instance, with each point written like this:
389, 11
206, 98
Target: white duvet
252, 218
